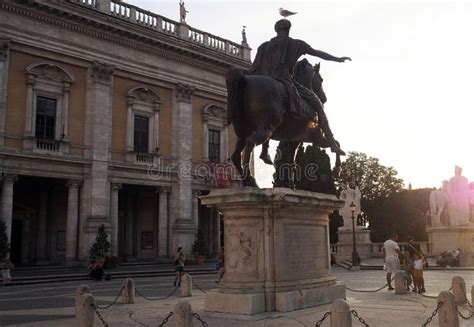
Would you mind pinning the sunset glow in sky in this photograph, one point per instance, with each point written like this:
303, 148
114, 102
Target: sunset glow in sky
406, 98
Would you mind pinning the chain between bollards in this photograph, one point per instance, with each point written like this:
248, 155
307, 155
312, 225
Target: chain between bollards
165, 321
435, 312
361, 320
203, 323
320, 321
99, 315
160, 298
471, 314
369, 291
113, 302
197, 286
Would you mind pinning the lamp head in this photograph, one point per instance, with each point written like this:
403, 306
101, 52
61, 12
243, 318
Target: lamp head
353, 207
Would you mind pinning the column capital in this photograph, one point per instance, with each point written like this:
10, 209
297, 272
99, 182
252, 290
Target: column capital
164, 189
9, 178
184, 92
115, 186
4, 47
102, 72
74, 183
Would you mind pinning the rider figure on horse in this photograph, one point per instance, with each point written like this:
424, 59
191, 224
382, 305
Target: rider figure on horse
277, 58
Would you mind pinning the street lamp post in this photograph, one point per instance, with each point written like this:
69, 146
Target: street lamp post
355, 255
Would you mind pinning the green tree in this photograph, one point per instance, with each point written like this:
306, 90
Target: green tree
4, 245
199, 245
101, 246
374, 179
404, 212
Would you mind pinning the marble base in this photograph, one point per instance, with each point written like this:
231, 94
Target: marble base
283, 301
344, 244
276, 250
450, 238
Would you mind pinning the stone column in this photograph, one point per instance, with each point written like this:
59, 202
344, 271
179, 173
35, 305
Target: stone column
163, 245
196, 194
72, 220
205, 138
114, 196
130, 101
30, 115
129, 228
95, 198
183, 227
65, 117
7, 203
4, 64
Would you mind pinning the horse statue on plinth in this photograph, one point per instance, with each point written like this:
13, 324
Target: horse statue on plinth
257, 108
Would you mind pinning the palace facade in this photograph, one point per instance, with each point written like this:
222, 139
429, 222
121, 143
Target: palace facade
109, 114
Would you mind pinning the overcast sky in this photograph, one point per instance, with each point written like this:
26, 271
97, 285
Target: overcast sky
407, 96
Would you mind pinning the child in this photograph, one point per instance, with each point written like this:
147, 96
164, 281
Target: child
418, 273
408, 269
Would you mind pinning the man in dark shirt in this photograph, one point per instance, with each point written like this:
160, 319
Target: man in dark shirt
277, 58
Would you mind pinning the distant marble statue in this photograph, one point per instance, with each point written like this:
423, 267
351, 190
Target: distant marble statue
350, 195
244, 36
439, 200
182, 12
458, 191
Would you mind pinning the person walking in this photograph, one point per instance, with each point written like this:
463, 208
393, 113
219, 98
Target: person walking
179, 266
418, 279
391, 251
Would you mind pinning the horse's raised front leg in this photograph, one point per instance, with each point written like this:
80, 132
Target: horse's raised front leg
264, 154
258, 137
237, 155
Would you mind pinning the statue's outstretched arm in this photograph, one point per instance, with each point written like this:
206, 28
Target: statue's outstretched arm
326, 56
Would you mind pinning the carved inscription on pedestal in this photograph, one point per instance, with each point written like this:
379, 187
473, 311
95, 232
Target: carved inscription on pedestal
305, 249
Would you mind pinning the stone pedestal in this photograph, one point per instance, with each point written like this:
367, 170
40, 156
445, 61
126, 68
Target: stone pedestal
450, 238
344, 244
276, 250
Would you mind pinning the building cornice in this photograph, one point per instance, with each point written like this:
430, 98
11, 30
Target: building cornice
124, 33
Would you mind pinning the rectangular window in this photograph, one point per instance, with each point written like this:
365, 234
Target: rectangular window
45, 118
140, 134
214, 145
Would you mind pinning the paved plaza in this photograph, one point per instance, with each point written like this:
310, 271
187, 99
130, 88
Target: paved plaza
53, 304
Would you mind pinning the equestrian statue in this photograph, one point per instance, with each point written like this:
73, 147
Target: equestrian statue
279, 98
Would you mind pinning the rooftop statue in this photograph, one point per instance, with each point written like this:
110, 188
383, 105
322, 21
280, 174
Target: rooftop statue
278, 98
182, 12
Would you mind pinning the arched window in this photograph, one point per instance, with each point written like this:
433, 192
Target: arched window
47, 107
215, 133
143, 124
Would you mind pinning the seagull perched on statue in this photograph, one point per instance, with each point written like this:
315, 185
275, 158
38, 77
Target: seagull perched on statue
285, 13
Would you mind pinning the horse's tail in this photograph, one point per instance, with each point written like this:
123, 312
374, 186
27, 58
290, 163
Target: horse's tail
234, 80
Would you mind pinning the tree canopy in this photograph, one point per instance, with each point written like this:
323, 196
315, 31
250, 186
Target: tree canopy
374, 179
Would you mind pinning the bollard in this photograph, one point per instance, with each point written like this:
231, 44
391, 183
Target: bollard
128, 292
83, 288
85, 311
340, 314
400, 286
186, 286
183, 314
472, 294
458, 287
448, 313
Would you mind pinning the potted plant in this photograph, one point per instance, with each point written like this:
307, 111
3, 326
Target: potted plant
4, 246
101, 247
199, 249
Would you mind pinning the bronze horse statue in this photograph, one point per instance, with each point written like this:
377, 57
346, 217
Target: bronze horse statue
258, 111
